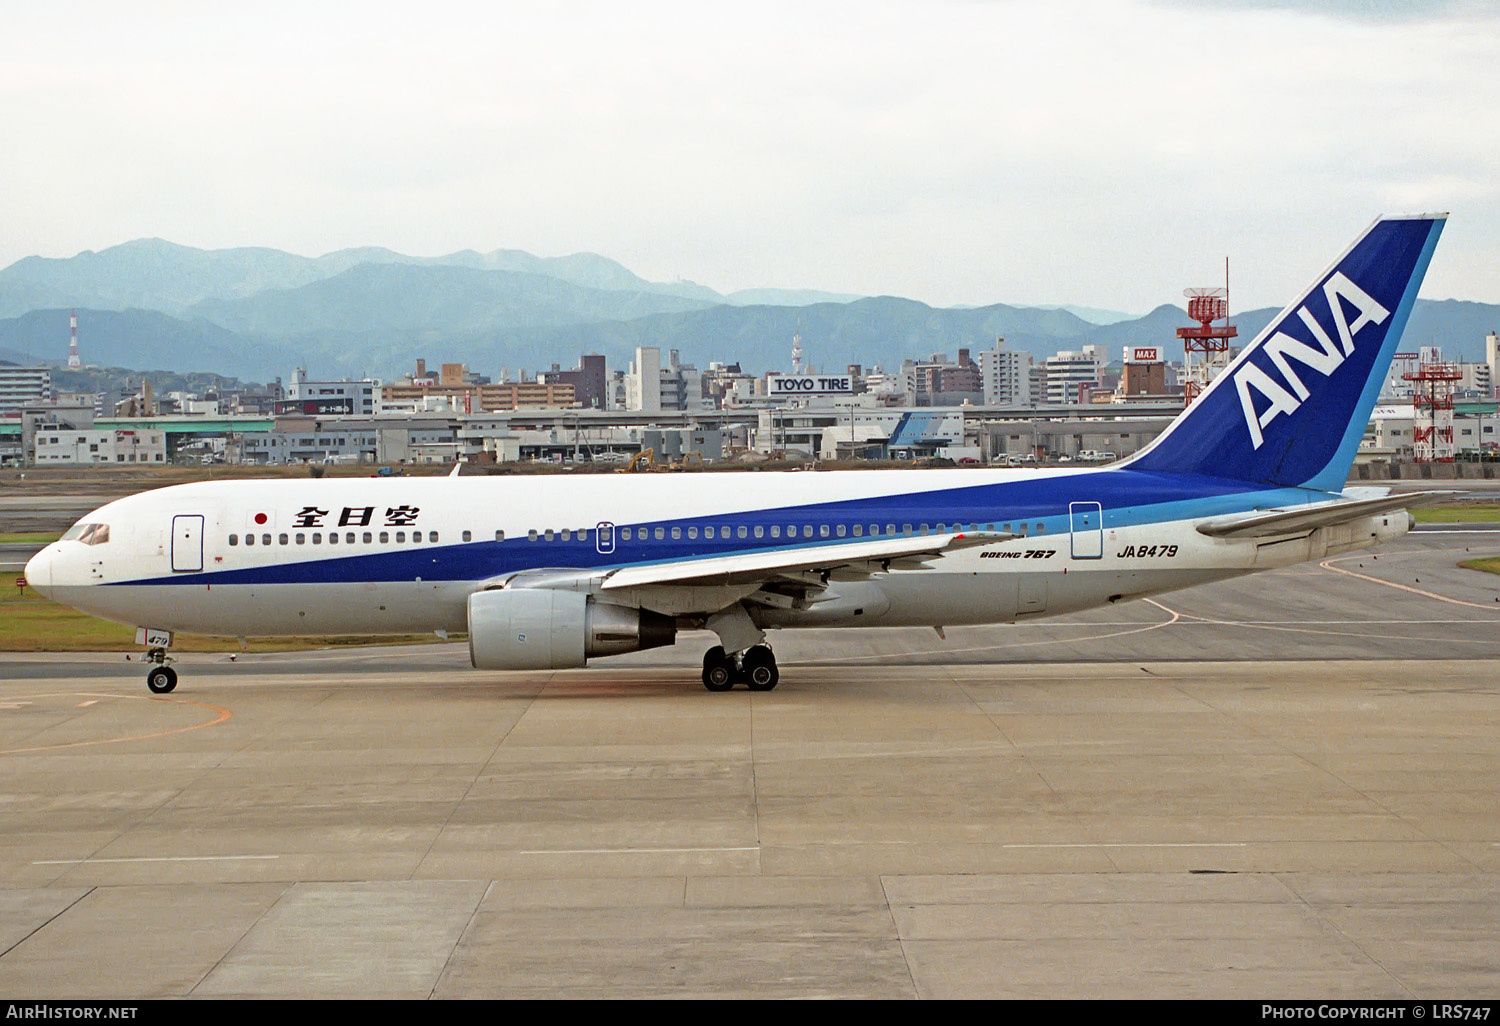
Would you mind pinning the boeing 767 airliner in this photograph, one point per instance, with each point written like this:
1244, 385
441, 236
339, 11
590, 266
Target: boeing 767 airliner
551, 572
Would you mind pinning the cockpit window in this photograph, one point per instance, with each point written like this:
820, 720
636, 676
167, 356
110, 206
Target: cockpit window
89, 534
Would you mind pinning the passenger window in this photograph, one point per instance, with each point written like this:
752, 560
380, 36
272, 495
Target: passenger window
530, 535
566, 534
625, 533
499, 535
1041, 527
368, 539
891, 528
547, 534
265, 539
822, 530
432, 536
807, 530
692, 532
924, 528
906, 529
760, 532
659, 533
676, 533
234, 540
859, 530
281, 539
385, 537
333, 537
839, 530
317, 539
400, 537
1005, 528
740, 532
708, 532
468, 536
775, 530
1023, 529
349, 538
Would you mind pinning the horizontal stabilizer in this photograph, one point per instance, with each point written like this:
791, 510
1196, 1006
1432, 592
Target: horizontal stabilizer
1270, 523
844, 559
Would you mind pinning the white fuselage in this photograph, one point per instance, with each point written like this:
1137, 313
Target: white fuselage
403, 555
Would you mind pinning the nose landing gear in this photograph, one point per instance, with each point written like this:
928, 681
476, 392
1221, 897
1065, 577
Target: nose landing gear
161, 678
755, 667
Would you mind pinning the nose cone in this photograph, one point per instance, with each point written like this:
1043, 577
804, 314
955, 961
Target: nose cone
39, 569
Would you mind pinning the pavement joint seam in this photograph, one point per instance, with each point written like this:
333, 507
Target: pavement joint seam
469, 788
1329, 924
458, 942
49, 921
911, 976
224, 957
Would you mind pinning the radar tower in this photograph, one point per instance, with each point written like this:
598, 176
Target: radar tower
1211, 344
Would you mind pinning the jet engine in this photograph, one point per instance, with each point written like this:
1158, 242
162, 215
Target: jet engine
546, 629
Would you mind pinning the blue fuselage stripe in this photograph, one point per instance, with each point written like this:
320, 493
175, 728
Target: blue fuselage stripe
1129, 498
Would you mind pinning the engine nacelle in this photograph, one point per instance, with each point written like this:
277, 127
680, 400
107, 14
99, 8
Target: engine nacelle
546, 629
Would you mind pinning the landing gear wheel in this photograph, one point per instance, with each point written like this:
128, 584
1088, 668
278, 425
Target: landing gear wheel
718, 670
161, 680
760, 668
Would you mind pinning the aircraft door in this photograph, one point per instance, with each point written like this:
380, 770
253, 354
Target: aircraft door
1088, 529
187, 542
604, 538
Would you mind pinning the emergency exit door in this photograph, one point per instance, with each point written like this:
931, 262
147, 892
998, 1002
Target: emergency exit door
187, 542
1088, 529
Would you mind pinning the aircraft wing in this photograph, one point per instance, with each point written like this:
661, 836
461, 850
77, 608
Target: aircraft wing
840, 561
1269, 523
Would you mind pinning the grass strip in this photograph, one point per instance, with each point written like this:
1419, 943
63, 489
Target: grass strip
33, 624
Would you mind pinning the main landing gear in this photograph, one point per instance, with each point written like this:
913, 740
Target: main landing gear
161, 678
756, 667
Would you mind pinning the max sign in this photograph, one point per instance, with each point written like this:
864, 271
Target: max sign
811, 385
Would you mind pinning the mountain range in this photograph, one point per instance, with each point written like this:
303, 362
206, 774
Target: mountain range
255, 313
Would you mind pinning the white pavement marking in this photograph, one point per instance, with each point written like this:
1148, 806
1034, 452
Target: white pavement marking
1125, 844
170, 858
621, 851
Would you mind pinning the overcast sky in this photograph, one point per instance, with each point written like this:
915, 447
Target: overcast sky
1100, 152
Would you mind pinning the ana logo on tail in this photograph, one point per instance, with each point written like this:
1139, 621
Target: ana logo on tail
1286, 396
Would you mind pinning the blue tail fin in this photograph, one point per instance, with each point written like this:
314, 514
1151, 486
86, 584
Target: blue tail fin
1291, 410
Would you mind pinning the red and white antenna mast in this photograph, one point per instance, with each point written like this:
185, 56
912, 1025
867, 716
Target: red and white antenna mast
75, 362
1208, 343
